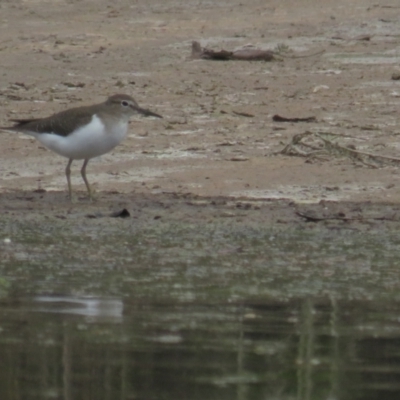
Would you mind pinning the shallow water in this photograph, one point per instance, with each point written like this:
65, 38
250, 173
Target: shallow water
110, 309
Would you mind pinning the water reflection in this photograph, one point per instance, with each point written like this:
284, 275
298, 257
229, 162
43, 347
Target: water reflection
87, 348
90, 307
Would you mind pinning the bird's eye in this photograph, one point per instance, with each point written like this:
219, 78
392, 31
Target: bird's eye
125, 103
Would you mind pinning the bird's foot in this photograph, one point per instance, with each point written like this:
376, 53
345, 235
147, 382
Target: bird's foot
93, 195
72, 199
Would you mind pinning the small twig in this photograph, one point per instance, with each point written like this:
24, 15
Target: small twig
243, 114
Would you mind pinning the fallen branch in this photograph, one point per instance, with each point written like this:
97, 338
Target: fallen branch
278, 118
313, 218
322, 144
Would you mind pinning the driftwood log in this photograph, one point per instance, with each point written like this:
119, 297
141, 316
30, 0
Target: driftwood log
199, 52
247, 54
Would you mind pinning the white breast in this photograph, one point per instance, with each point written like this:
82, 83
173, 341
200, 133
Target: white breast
89, 141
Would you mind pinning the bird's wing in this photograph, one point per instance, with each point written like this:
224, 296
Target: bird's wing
62, 123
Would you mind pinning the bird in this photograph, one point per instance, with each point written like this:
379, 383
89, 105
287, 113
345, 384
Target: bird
82, 133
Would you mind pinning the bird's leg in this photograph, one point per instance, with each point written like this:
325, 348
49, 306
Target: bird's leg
83, 173
68, 175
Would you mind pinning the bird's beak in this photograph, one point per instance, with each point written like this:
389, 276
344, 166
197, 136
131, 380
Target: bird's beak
147, 113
